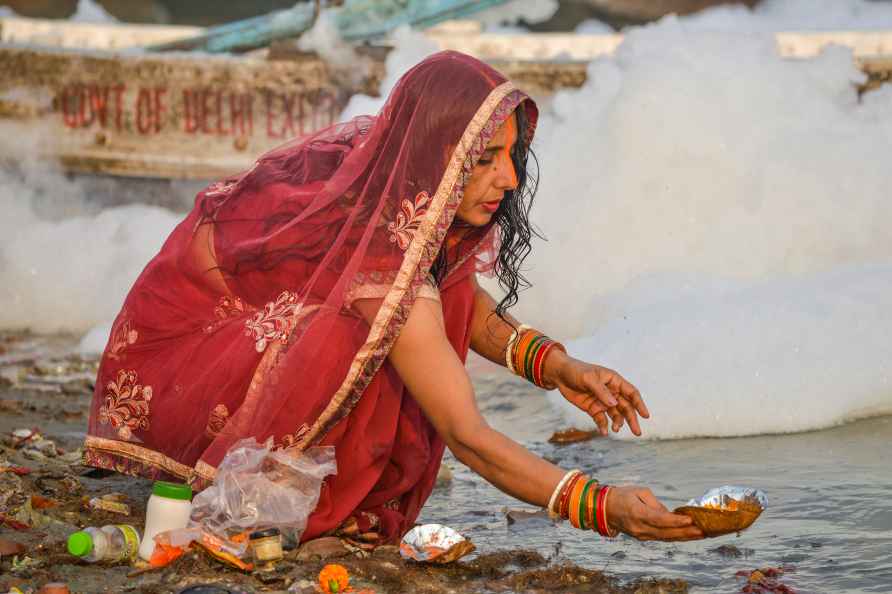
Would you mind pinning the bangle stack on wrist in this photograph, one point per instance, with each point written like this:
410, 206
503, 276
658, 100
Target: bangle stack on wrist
582, 500
526, 353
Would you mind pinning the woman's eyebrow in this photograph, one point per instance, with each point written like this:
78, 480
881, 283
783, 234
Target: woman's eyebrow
498, 147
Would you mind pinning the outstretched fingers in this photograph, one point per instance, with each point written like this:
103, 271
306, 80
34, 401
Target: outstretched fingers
597, 411
628, 412
617, 417
596, 387
619, 385
598, 390
666, 519
665, 525
591, 406
630, 403
673, 534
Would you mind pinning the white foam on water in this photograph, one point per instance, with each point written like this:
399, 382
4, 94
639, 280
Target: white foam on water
777, 15
90, 11
594, 27
704, 153
68, 268
702, 198
511, 13
410, 47
94, 341
793, 15
324, 39
726, 358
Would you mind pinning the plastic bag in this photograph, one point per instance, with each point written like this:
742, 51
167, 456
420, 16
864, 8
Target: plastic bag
257, 487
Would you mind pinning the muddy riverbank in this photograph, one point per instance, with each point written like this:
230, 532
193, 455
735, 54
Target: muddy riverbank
44, 494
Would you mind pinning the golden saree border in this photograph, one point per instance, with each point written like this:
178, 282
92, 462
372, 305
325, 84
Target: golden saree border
205, 471
333, 412
427, 291
137, 453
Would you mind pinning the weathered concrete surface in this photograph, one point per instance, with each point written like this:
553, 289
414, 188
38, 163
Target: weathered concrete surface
171, 116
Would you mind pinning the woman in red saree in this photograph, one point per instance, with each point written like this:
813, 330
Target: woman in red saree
328, 296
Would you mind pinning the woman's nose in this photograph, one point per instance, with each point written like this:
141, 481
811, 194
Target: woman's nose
506, 178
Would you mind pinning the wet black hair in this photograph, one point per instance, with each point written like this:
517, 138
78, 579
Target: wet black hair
513, 219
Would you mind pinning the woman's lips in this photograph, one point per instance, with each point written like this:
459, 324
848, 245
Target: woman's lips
491, 206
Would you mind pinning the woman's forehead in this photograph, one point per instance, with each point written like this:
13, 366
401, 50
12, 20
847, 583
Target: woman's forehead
506, 134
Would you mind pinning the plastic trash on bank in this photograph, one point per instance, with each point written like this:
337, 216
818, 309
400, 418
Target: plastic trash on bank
434, 543
256, 488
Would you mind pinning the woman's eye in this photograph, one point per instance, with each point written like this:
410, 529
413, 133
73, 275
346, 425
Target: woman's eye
484, 161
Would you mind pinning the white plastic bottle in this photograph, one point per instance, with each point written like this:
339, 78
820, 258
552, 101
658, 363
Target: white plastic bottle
169, 508
114, 542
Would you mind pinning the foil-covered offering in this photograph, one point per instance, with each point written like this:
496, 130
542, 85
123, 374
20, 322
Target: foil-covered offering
434, 543
730, 498
725, 510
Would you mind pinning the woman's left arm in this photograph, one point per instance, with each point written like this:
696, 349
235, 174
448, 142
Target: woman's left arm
596, 390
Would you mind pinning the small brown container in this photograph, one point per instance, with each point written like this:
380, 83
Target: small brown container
715, 522
267, 547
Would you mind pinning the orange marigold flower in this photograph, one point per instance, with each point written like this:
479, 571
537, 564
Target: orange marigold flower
334, 579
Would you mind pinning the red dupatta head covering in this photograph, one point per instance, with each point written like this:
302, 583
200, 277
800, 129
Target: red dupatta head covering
242, 325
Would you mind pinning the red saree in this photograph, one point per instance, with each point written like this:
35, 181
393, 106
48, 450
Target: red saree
245, 323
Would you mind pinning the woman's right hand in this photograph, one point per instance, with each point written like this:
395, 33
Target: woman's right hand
636, 512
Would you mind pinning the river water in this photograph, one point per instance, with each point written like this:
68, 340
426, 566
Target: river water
829, 520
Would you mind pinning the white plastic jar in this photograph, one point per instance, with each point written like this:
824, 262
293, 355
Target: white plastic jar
169, 508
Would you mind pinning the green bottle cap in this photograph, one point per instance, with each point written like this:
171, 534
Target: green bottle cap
172, 490
80, 544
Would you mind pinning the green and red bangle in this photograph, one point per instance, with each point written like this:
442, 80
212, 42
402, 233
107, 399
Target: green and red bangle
584, 523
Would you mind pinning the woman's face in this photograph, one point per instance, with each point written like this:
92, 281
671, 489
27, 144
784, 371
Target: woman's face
492, 176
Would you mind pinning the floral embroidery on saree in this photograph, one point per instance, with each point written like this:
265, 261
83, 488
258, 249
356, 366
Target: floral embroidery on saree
274, 322
228, 308
217, 421
408, 220
126, 405
220, 187
123, 335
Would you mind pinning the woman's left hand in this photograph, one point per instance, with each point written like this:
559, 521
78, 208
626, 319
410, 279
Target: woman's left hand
598, 391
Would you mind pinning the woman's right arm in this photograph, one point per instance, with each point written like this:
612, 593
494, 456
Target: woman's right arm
436, 378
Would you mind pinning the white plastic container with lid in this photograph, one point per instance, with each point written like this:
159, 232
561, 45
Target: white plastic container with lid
169, 508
